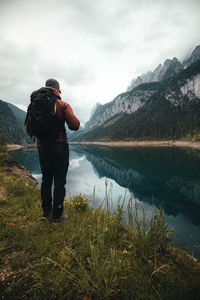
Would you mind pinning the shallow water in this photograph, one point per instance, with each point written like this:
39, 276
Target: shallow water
161, 175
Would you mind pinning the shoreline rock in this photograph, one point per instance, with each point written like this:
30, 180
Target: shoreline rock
167, 143
14, 168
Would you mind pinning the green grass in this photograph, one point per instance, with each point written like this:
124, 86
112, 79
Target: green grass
92, 255
195, 136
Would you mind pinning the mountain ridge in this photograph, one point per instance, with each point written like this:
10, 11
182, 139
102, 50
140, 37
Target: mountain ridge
171, 109
168, 69
11, 123
19, 114
123, 102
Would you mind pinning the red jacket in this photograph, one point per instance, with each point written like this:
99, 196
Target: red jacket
65, 113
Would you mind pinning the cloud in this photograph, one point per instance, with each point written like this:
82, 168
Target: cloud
73, 73
23, 70
17, 71
94, 48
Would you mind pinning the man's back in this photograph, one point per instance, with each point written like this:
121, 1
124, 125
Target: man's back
54, 156
64, 113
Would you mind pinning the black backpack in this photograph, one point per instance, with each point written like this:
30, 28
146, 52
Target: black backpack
41, 115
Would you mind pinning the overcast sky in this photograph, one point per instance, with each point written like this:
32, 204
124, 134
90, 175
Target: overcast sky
94, 48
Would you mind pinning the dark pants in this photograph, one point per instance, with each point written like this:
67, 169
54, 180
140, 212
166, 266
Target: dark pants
54, 162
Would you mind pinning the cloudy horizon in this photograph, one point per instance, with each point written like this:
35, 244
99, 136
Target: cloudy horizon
94, 49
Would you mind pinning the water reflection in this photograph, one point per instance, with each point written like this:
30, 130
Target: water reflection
168, 175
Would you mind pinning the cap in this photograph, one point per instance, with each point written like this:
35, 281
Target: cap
53, 83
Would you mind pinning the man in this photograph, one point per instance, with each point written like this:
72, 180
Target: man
54, 157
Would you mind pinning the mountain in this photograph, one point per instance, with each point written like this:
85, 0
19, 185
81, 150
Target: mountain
166, 109
136, 170
193, 57
74, 135
132, 100
19, 114
168, 69
10, 125
127, 102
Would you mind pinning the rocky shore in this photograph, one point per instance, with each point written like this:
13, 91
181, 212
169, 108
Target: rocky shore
13, 168
169, 143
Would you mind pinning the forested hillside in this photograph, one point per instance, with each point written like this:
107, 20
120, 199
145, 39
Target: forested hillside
145, 86
173, 111
10, 128
19, 114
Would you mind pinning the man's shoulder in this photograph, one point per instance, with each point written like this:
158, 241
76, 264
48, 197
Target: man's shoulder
62, 103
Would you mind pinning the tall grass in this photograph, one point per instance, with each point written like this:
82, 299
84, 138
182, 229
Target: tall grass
99, 253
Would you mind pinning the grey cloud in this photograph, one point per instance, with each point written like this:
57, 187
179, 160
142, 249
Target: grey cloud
24, 69
95, 37
16, 72
72, 73
113, 45
100, 21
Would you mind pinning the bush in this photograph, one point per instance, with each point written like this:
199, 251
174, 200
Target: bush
78, 202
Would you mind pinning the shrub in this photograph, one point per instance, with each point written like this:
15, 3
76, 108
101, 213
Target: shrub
78, 202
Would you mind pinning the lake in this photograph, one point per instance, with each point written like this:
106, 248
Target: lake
159, 175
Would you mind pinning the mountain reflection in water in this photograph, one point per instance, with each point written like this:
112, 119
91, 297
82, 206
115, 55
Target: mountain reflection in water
168, 175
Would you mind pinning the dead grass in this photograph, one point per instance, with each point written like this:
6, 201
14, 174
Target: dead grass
2, 192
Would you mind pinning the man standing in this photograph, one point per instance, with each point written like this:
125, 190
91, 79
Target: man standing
54, 156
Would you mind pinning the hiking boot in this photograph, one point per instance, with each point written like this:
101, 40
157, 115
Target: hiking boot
44, 218
58, 220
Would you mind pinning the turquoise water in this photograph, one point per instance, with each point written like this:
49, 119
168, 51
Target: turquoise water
169, 176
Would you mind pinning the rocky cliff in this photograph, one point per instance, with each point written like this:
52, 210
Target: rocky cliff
191, 88
128, 102
168, 69
148, 85
186, 93
166, 109
193, 57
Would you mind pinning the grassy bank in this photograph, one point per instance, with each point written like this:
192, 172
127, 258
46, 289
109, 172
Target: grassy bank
92, 255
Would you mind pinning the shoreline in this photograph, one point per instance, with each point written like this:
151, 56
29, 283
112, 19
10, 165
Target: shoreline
167, 143
12, 147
